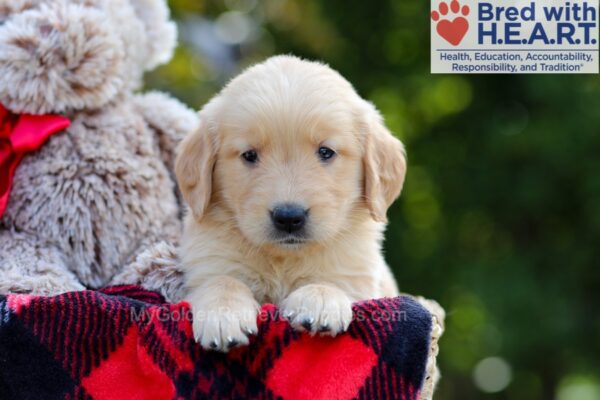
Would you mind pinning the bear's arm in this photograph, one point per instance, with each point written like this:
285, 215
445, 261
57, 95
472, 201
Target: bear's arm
169, 118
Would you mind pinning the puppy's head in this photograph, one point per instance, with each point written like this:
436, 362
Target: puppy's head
292, 155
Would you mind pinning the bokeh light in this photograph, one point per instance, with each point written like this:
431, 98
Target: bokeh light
492, 374
578, 387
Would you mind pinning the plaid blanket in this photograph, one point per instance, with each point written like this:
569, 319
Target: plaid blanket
126, 343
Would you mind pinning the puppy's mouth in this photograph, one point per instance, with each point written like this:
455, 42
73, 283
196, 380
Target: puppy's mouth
291, 241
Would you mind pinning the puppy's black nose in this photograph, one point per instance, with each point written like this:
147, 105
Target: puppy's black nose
289, 217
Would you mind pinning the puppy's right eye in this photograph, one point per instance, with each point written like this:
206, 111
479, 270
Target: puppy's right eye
250, 156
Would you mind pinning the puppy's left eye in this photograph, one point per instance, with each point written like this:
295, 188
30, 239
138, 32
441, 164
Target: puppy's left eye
250, 156
325, 153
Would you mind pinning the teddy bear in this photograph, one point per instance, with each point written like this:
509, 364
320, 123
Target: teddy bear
99, 192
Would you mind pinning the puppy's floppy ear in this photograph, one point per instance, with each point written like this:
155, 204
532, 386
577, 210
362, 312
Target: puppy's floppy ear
384, 165
196, 157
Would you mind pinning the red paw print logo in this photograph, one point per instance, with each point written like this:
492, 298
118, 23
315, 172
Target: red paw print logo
453, 30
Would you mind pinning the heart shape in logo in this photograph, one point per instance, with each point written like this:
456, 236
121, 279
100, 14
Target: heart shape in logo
453, 31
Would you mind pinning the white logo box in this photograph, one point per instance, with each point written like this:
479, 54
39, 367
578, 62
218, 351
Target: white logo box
514, 36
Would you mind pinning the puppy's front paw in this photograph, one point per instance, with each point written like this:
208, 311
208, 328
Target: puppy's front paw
226, 326
318, 308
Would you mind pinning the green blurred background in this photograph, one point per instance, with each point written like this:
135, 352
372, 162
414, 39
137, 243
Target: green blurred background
500, 217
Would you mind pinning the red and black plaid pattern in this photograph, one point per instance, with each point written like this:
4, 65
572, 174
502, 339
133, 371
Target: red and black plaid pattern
125, 343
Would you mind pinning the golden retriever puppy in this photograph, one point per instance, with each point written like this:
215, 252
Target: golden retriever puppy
288, 180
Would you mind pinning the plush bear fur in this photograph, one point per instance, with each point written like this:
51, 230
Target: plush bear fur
99, 194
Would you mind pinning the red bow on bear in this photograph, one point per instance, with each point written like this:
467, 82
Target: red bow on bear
20, 134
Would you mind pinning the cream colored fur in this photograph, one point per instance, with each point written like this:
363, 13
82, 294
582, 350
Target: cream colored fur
100, 193
285, 109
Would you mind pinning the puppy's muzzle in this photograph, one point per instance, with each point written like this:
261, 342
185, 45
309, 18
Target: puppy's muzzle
289, 218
